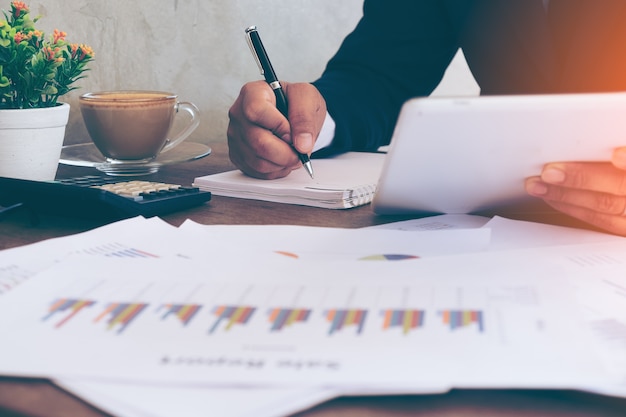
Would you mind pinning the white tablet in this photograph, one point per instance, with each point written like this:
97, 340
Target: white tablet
462, 155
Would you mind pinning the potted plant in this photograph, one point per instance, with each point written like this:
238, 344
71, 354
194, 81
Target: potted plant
35, 71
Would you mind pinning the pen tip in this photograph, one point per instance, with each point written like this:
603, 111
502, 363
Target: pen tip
309, 169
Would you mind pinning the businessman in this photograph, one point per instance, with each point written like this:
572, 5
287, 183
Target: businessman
401, 49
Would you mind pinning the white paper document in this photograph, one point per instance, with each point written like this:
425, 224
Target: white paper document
438, 222
289, 322
152, 239
315, 312
116, 240
147, 400
326, 244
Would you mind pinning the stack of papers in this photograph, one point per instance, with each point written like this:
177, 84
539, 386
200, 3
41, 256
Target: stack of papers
237, 320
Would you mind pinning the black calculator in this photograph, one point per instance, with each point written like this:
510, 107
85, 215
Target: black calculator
105, 198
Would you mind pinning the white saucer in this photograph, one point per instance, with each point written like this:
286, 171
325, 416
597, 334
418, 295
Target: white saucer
87, 155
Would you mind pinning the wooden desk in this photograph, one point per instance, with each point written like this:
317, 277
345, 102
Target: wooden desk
28, 397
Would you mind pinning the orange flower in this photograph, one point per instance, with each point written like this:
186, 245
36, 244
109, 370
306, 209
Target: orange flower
18, 7
86, 52
48, 52
52, 54
58, 36
20, 36
46, 65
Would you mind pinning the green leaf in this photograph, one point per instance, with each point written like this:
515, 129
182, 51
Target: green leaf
51, 90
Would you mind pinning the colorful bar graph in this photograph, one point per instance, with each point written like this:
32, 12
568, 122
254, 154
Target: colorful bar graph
184, 312
406, 319
342, 318
121, 314
283, 317
74, 306
11, 276
131, 253
457, 319
388, 257
116, 250
233, 314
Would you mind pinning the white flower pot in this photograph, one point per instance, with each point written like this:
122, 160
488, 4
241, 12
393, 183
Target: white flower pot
31, 142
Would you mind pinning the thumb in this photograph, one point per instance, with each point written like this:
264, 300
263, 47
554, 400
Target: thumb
307, 111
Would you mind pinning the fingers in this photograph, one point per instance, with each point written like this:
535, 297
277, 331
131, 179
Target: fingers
595, 176
608, 222
600, 202
259, 135
245, 155
307, 111
619, 158
261, 139
593, 192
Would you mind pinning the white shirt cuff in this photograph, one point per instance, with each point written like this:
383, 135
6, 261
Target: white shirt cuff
326, 135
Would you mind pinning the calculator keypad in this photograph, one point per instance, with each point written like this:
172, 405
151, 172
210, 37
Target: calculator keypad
101, 197
135, 188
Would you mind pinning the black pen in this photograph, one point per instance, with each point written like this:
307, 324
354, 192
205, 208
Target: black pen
265, 66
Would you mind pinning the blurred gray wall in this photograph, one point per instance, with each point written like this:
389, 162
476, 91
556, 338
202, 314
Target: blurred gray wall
197, 48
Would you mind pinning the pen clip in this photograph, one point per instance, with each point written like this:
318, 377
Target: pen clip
252, 49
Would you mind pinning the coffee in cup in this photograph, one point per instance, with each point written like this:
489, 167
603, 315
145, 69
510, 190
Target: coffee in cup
133, 126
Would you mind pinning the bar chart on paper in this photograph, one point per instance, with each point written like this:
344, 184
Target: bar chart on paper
341, 318
118, 250
229, 316
69, 307
213, 324
183, 312
11, 276
348, 255
119, 315
407, 320
289, 313
280, 318
457, 319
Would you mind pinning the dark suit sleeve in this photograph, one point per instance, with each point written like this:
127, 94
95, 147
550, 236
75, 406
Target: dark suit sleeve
399, 49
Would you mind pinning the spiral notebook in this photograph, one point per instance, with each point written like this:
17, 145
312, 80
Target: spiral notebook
340, 182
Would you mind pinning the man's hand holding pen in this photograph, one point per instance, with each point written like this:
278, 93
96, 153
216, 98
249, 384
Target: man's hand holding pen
261, 140
271, 123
